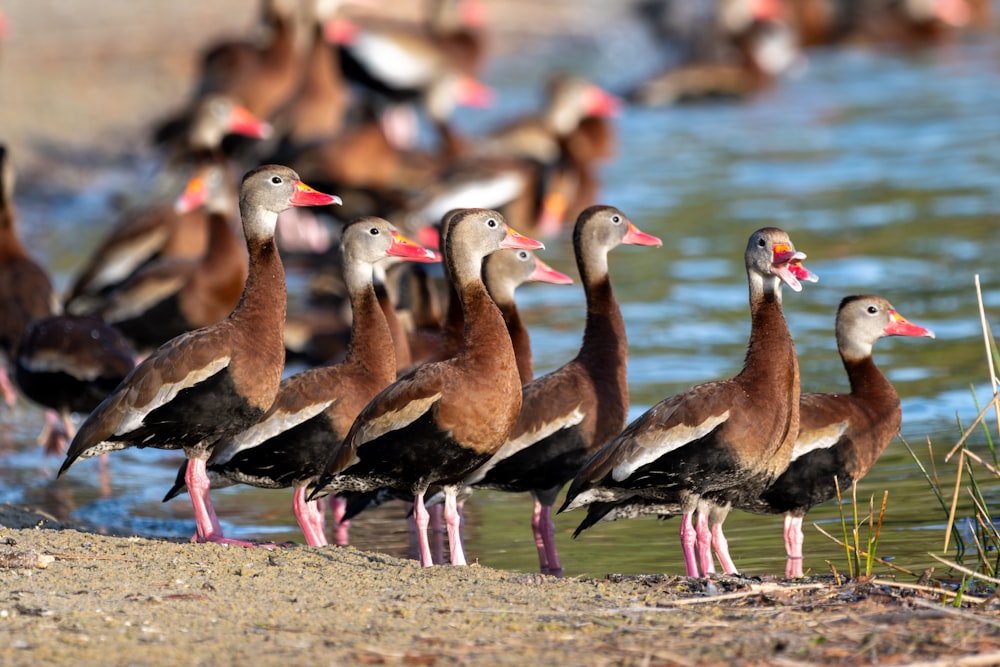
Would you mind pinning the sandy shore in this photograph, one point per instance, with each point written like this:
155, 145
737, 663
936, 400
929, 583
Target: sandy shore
92, 599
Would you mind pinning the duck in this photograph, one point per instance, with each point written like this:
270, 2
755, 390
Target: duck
314, 408
26, 292
214, 382
704, 447
568, 413
503, 272
739, 50
167, 297
261, 73
841, 435
147, 232
444, 419
69, 364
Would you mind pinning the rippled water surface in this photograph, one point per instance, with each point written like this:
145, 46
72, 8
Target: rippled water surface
883, 168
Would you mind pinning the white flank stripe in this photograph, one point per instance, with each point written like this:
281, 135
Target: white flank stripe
393, 421
824, 438
391, 63
134, 416
264, 430
525, 440
652, 446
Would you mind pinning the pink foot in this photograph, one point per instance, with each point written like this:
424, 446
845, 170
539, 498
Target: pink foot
689, 538
206, 521
453, 522
794, 539
422, 520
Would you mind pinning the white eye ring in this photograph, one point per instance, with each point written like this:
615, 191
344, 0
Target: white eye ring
276, 180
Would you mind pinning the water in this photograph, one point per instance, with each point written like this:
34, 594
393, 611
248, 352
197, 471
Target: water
883, 168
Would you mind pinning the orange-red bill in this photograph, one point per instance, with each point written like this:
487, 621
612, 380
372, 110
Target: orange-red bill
241, 121
307, 196
407, 249
544, 273
635, 236
195, 194
517, 240
900, 326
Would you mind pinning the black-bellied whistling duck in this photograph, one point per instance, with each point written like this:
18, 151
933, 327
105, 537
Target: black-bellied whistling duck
503, 272
567, 414
398, 59
261, 74
213, 382
444, 419
841, 435
149, 232
717, 439
893, 23
165, 298
26, 292
749, 44
315, 408
70, 363
569, 99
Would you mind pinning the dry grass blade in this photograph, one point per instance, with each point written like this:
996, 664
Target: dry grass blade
965, 570
876, 558
954, 499
995, 401
986, 341
933, 590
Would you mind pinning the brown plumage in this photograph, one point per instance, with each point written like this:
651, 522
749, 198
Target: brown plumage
568, 413
314, 409
213, 382
167, 297
26, 292
441, 421
718, 441
841, 435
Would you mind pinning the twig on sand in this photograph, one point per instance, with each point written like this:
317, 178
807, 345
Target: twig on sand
928, 589
965, 570
88, 557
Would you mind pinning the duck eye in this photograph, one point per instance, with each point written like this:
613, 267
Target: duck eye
373, 231
616, 219
491, 223
276, 180
522, 254
872, 309
761, 243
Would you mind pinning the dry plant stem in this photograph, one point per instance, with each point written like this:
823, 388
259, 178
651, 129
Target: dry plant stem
986, 342
965, 570
968, 431
954, 500
978, 459
927, 589
878, 560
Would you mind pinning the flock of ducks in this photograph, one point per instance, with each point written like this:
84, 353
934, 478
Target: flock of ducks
175, 335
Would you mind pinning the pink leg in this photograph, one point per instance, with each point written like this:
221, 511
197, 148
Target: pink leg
453, 520
721, 546
704, 535
7, 387
437, 532
688, 540
104, 474
206, 521
793, 546
536, 530
341, 527
549, 535
422, 520
56, 433
305, 514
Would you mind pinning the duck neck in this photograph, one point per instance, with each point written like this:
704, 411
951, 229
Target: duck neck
10, 244
868, 382
369, 329
519, 338
400, 344
263, 303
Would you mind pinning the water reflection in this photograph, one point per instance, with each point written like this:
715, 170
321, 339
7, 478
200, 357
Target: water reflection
882, 168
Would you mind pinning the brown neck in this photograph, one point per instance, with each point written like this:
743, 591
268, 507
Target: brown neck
369, 334
868, 382
485, 337
400, 344
264, 300
10, 244
520, 340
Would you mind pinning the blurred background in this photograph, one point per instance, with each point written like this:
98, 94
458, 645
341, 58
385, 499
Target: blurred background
867, 130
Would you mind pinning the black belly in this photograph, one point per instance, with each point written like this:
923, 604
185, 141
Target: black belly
547, 464
289, 458
156, 325
196, 418
413, 458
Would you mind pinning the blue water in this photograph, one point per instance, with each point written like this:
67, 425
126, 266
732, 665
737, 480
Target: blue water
884, 169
